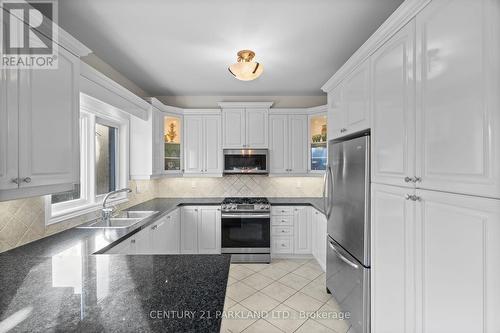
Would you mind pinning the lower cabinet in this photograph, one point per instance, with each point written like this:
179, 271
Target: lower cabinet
319, 237
431, 252
201, 230
291, 230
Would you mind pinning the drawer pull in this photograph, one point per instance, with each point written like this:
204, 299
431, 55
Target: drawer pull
282, 230
283, 245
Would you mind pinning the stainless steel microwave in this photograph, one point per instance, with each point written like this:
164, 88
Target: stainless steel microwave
246, 161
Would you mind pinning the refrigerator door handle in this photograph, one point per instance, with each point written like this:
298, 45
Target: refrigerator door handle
329, 178
342, 257
325, 201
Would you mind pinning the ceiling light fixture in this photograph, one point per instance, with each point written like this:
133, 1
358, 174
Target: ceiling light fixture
246, 69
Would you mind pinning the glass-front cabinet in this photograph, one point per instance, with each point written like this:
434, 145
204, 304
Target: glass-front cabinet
172, 142
318, 150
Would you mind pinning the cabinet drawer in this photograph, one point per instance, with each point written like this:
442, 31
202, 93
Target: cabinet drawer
282, 245
282, 231
281, 220
281, 210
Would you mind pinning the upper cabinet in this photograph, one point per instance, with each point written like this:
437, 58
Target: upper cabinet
393, 109
202, 143
288, 144
156, 143
39, 126
317, 140
245, 125
349, 103
458, 118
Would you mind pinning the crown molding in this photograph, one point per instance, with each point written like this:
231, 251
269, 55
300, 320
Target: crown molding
257, 105
155, 102
401, 16
202, 112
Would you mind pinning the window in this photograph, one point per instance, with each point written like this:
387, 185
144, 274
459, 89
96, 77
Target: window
318, 142
103, 161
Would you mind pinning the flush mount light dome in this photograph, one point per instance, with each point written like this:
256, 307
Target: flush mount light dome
246, 69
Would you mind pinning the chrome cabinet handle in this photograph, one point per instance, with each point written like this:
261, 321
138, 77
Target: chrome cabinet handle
408, 179
154, 227
407, 197
27, 180
413, 179
282, 230
283, 245
413, 197
16, 180
132, 241
418, 179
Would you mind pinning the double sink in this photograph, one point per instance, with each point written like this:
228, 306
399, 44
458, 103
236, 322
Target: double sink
122, 219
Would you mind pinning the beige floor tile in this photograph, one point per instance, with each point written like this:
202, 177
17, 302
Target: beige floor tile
229, 302
231, 280
273, 272
262, 326
285, 318
257, 281
239, 272
317, 289
239, 291
294, 281
332, 320
255, 267
303, 302
278, 291
287, 265
260, 302
310, 326
308, 272
236, 320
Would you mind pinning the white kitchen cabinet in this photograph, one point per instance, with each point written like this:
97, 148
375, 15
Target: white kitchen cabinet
234, 128
429, 253
393, 111
458, 123
319, 237
202, 144
40, 129
201, 229
245, 125
189, 230
336, 117
257, 128
209, 230
288, 144
165, 234
392, 260
302, 229
356, 99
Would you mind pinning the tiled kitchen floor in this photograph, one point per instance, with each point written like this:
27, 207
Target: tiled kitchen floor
282, 292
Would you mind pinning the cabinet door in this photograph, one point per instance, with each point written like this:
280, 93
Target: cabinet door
336, 121
193, 144
209, 230
356, 99
278, 145
257, 128
171, 233
302, 229
322, 241
189, 229
143, 241
393, 111
459, 255
392, 260
298, 144
49, 124
458, 118
8, 129
158, 148
234, 128
212, 145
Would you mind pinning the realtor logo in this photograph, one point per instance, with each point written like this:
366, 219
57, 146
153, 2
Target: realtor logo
29, 38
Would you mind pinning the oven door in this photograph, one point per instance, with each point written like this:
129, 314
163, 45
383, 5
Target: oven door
243, 233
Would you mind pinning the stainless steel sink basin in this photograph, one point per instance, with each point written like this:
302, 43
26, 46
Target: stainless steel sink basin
123, 219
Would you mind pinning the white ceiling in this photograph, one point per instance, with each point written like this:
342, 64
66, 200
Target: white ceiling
183, 47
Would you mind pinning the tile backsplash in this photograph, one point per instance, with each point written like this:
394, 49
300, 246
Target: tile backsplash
23, 221
240, 186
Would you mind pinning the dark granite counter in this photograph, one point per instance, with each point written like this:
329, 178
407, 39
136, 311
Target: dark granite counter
58, 283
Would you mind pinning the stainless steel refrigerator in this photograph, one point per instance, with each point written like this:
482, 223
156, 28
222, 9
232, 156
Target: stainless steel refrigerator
347, 204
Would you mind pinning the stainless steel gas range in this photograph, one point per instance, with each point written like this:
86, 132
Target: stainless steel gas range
246, 229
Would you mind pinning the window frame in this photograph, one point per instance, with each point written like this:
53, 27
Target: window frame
92, 110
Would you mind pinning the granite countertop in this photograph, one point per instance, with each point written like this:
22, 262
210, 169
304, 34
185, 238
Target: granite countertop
58, 283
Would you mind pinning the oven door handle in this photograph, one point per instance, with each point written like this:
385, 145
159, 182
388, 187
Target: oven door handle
244, 216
